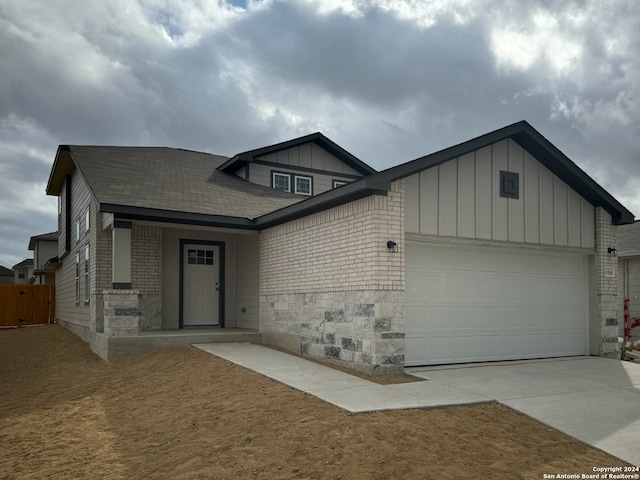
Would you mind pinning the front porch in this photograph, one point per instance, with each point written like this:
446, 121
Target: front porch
172, 285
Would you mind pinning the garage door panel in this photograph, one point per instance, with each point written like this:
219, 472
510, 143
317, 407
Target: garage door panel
468, 305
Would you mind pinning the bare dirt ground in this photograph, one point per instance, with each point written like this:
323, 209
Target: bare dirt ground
184, 414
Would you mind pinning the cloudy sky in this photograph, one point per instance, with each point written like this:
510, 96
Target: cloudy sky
389, 80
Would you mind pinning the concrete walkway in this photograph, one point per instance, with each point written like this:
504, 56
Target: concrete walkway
595, 400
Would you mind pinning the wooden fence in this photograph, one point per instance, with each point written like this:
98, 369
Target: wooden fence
22, 305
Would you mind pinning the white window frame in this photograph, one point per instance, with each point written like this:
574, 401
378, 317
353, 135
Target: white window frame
77, 278
280, 174
305, 177
77, 230
86, 220
338, 183
87, 286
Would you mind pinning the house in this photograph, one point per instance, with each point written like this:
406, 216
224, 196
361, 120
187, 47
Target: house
45, 259
22, 271
493, 249
628, 253
6, 275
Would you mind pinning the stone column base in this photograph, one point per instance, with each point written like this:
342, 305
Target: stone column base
121, 312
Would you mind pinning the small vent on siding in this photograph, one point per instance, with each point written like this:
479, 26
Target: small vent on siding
509, 184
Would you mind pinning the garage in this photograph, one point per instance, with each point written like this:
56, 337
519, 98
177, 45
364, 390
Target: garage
468, 303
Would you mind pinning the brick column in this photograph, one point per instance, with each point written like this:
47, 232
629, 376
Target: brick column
121, 255
607, 285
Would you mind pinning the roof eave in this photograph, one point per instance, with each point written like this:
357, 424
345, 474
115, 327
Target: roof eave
62, 166
354, 162
127, 212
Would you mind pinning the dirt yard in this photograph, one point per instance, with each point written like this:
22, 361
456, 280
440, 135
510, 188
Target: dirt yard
184, 414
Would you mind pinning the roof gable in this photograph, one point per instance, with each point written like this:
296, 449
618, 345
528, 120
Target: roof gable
539, 147
317, 138
26, 263
46, 237
5, 272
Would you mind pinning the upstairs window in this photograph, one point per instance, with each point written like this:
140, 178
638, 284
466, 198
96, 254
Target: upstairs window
338, 183
77, 278
86, 220
77, 230
303, 185
87, 284
289, 182
281, 181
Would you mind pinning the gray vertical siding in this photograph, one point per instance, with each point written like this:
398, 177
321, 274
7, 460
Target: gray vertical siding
309, 155
66, 307
461, 198
247, 292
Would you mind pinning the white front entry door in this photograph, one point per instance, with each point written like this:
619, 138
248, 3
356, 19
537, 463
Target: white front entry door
466, 304
201, 285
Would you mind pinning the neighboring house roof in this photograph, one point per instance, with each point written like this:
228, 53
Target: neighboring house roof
160, 182
241, 159
5, 272
629, 240
27, 263
50, 237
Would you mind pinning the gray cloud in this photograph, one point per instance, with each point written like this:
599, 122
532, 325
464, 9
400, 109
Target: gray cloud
388, 81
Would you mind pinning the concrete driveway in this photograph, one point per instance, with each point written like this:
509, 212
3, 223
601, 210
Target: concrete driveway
596, 400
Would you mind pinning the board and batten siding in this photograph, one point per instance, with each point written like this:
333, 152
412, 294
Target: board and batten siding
309, 155
461, 198
66, 307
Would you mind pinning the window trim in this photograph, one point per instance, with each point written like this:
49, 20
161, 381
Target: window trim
77, 230
335, 182
283, 174
87, 278
87, 223
295, 185
77, 278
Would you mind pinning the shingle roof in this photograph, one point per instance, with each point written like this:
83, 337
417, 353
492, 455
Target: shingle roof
28, 262
173, 180
629, 239
5, 272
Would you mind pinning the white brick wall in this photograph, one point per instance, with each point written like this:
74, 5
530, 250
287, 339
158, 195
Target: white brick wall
606, 236
340, 249
607, 285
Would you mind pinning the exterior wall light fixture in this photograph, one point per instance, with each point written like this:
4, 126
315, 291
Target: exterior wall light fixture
392, 246
612, 251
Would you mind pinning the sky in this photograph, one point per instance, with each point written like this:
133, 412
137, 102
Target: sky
388, 80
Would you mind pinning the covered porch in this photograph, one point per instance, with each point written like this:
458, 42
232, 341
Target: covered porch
169, 285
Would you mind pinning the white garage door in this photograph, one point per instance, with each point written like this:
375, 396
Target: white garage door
467, 304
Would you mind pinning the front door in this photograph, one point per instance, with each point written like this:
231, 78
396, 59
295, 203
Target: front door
201, 285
